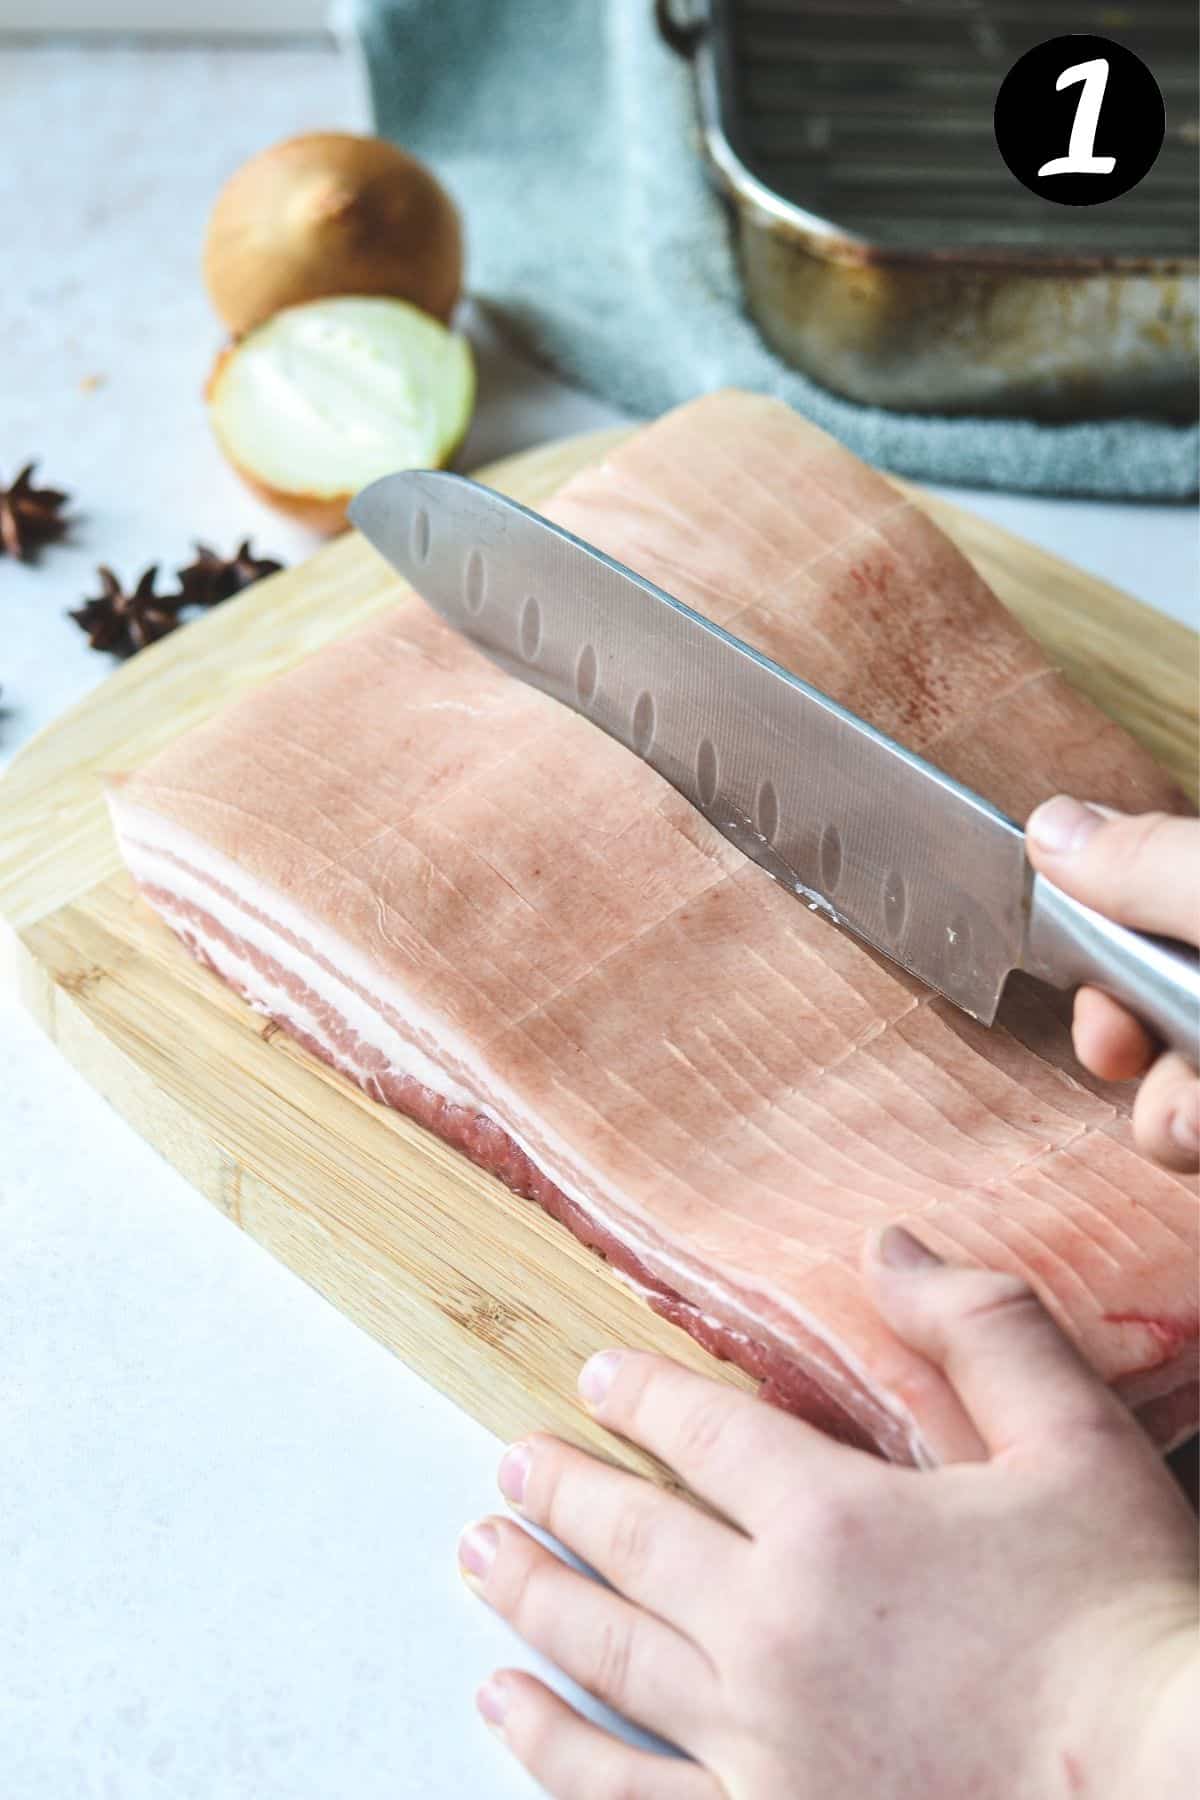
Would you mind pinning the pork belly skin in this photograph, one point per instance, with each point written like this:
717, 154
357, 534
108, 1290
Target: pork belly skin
499, 921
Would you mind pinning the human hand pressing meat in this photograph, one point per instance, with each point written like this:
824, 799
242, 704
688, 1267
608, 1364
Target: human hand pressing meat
1016, 1628
1144, 872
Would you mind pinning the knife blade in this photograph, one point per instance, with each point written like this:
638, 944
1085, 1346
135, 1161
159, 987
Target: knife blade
853, 824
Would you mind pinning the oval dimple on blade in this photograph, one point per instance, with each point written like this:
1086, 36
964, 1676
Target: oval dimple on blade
707, 772
643, 722
586, 676
531, 629
831, 860
767, 810
895, 904
474, 582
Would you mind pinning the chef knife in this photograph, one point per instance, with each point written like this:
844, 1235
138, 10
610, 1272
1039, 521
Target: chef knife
853, 824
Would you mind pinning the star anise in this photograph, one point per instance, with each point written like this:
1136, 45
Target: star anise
212, 578
29, 516
124, 622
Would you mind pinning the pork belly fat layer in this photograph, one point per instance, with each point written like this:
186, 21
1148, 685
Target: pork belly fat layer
494, 917
319, 990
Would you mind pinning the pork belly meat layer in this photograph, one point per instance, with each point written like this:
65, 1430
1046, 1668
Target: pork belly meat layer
498, 920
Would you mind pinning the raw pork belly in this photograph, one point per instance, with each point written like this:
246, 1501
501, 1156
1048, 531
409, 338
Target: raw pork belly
496, 919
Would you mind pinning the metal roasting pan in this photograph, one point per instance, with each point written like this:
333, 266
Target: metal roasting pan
887, 250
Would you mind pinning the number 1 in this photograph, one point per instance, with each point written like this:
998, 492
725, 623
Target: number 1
1081, 158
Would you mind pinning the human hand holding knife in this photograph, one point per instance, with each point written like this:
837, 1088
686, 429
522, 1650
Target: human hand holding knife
1144, 873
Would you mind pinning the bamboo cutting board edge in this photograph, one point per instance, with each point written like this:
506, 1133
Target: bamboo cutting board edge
490, 1300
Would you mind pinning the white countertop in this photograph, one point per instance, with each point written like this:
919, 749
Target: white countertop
227, 1517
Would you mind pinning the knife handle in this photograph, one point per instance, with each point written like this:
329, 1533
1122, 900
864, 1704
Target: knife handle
1157, 978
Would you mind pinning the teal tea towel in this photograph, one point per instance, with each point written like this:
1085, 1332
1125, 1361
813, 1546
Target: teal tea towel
566, 131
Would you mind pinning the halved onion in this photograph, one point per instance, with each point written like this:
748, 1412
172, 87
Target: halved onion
326, 397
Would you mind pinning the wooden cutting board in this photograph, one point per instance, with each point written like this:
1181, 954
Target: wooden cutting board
493, 1303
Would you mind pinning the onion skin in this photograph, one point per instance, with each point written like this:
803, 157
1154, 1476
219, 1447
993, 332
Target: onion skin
326, 517
331, 213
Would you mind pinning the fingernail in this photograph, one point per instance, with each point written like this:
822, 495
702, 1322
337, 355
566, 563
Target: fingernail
492, 1701
1062, 825
514, 1472
1185, 1125
597, 1376
477, 1550
899, 1249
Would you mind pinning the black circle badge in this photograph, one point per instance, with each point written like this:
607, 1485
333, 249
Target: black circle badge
1079, 120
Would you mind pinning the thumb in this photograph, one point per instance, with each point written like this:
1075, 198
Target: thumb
1019, 1378
1142, 870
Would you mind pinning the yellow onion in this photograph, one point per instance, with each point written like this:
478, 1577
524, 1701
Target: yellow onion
331, 213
